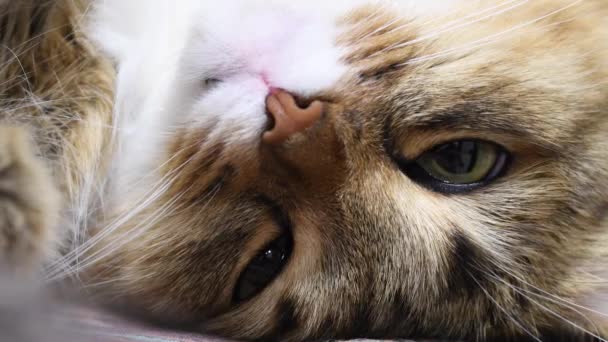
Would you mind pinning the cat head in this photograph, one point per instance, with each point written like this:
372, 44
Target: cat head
455, 185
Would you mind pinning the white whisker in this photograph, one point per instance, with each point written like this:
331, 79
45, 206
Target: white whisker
488, 39
29, 86
511, 317
545, 308
451, 28
148, 198
554, 297
125, 237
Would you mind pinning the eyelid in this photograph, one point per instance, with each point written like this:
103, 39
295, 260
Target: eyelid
415, 144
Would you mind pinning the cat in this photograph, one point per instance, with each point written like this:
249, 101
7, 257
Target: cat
308, 170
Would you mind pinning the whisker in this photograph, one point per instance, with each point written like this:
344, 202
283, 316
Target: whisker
150, 220
552, 312
509, 315
554, 297
142, 227
126, 236
521, 292
16, 57
40, 104
147, 198
451, 28
123, 238
486, 40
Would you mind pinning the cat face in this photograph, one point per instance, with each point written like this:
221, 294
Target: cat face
454, 186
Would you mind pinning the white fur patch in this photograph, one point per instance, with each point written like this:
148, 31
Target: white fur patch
165, 50
146, 43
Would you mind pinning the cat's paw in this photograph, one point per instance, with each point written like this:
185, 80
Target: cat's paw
29, 203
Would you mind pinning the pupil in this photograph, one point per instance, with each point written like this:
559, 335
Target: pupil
458, 157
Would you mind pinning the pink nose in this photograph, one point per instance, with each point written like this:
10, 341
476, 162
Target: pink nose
289, 118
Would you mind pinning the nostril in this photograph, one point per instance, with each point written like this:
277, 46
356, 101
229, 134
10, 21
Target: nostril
303, 102
289, 117
271, 121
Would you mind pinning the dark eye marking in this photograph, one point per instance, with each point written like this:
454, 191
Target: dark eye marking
468, 262
458, 166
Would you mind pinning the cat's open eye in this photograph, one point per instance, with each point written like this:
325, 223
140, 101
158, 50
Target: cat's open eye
264, 268
458, 166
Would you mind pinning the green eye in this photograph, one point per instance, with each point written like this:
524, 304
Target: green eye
458, 166
461, 162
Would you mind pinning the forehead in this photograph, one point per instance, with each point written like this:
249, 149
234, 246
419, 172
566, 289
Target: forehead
291, 44
484, 75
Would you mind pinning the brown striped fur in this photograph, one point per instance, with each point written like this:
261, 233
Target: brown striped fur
375, 254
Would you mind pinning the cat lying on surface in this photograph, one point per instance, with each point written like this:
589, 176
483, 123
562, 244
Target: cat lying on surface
294, 170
